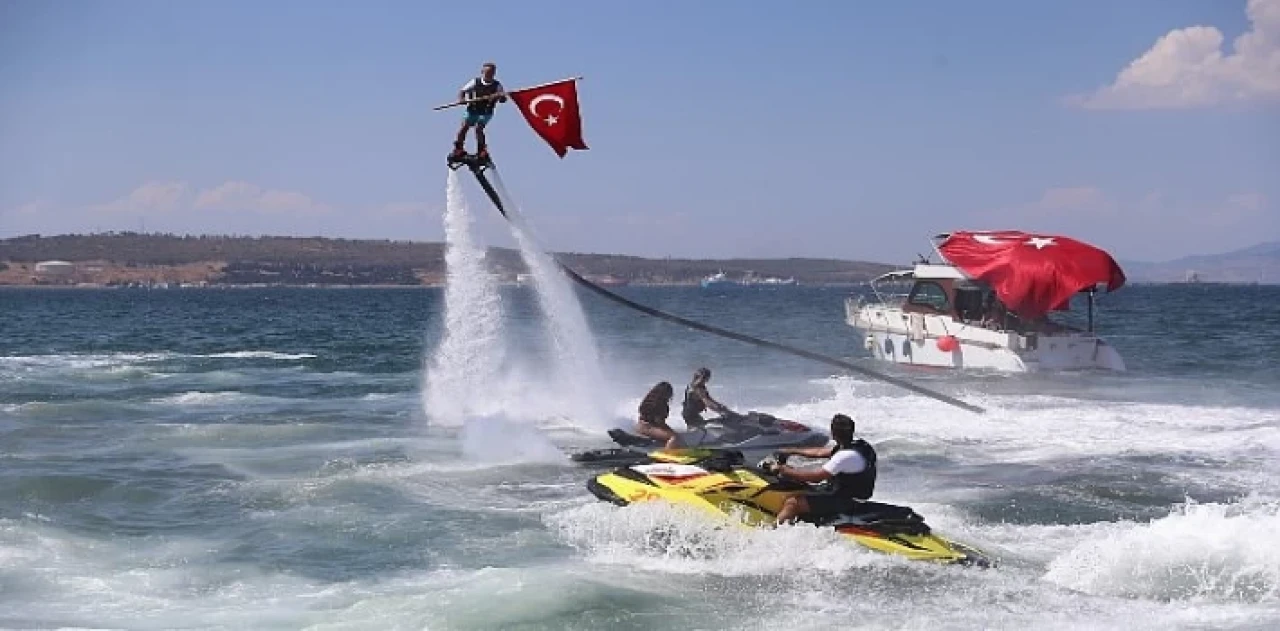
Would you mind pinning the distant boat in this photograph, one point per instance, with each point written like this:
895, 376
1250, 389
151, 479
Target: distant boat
720, 279
608, 280
751, 279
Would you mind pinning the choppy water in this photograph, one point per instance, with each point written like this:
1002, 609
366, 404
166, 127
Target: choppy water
261, 459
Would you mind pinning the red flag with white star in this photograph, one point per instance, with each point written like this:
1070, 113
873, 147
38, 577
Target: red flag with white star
1031, 274
552, 112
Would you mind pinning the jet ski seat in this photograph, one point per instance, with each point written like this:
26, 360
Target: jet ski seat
881, 517
627, 439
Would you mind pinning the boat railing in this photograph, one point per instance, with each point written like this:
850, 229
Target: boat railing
893, 288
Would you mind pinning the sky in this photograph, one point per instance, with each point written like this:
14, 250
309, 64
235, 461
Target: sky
821, 128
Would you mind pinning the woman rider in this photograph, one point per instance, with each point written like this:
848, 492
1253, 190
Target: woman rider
697, 399
654, 410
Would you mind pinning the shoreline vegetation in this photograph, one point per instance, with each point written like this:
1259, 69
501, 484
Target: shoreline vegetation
129, 259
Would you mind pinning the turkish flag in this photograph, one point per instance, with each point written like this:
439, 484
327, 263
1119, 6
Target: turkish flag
1031, 274
552, 111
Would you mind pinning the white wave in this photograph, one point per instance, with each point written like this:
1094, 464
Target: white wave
82, 361
1214, 552
656, 536
1037, 428
260, 355
200, 398
98, 360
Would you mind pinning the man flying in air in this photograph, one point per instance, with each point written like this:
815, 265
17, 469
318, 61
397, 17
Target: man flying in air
482, 95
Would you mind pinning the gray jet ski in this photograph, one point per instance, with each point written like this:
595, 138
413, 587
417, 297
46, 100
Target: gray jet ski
755, 434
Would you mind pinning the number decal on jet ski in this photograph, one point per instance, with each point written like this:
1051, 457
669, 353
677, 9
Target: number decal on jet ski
639, 495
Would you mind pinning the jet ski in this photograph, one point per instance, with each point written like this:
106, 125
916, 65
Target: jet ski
720, 483
755, 434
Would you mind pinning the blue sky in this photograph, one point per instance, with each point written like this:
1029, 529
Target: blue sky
844, 129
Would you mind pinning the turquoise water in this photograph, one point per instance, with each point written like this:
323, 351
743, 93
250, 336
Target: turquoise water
262, 458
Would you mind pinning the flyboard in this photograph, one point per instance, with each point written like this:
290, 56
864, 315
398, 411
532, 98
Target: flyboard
483, 167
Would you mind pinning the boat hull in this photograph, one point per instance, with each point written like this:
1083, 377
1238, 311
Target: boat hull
892, 335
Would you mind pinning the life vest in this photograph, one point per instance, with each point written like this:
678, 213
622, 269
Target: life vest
861, 485
480, 90
692, 407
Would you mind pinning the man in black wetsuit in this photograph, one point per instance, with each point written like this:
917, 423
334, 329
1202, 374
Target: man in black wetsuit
482, 95
697, 399
849, 472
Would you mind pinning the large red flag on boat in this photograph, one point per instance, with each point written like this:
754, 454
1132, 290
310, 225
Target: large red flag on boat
1031, 274
552, 111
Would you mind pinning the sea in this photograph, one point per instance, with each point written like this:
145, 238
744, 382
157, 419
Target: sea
272, 458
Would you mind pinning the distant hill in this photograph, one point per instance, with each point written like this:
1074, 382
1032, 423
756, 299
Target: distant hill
127, 257
1259, 263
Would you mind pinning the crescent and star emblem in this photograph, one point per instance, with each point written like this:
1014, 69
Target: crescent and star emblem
550, 119
1039, 243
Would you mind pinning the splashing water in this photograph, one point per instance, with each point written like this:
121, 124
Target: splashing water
468, 361
577, 356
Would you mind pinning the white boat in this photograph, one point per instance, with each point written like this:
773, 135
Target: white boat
718, 279
956, 314
749, 279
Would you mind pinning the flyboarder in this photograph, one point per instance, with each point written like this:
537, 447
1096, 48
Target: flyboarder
482, 95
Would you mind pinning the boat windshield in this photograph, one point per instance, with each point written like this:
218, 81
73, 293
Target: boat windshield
893, 288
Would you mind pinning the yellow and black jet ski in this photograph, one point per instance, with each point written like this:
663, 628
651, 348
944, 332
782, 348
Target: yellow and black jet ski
721, 483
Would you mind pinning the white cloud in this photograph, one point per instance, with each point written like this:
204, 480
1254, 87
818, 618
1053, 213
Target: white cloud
30, 208
407, 209
1189, 68
157, 198
1249, 202
1076, 199
232, 207
244, 196
1238, 209
152, 197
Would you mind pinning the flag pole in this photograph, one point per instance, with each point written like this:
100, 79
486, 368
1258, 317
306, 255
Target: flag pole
532, 87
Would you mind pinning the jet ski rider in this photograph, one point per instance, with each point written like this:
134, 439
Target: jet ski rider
654, 409
850, 472
697, 399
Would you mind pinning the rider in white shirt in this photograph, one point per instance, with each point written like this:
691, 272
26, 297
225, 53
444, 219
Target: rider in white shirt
849, 473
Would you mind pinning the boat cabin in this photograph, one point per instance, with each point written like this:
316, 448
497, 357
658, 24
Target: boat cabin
945, 290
